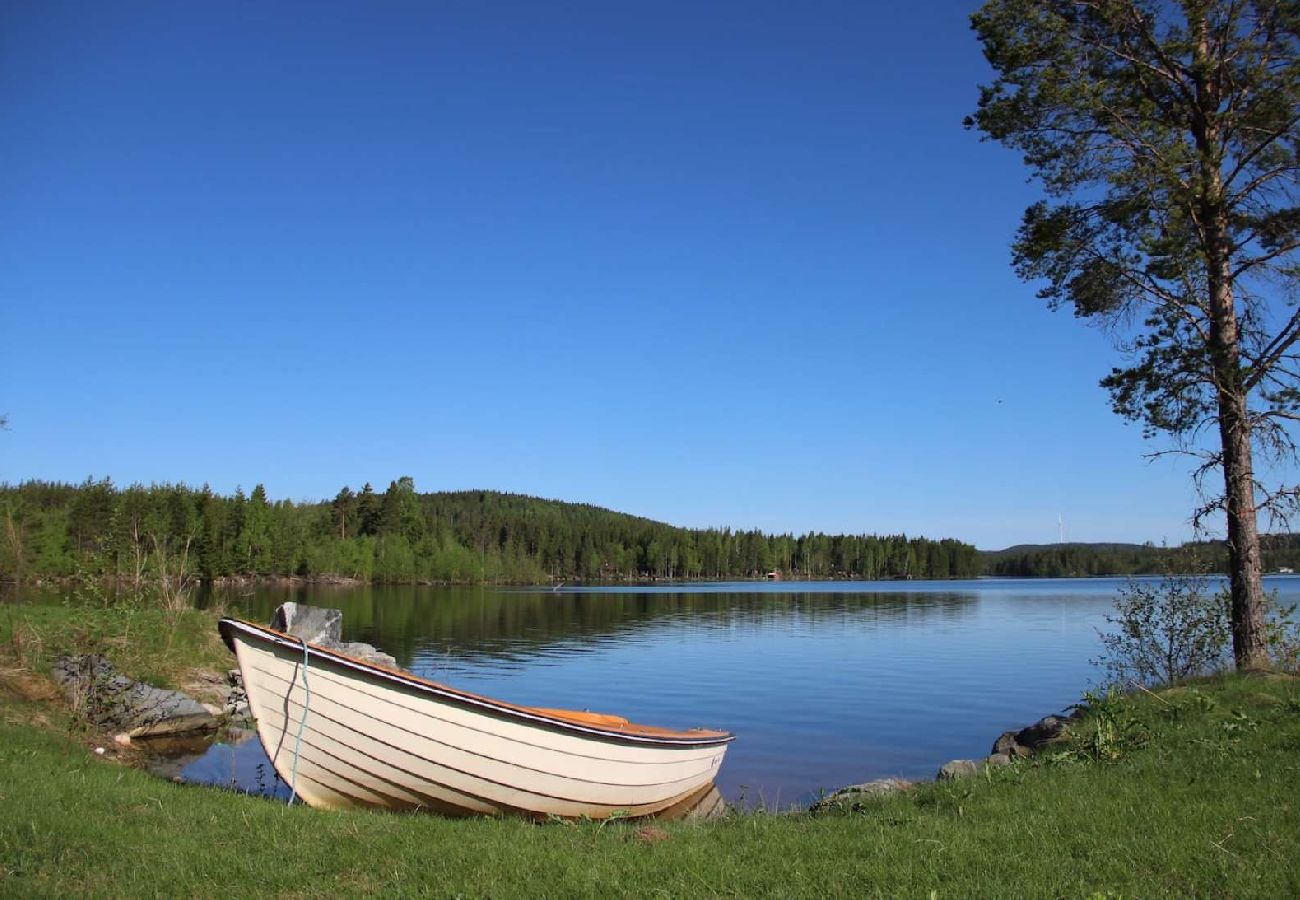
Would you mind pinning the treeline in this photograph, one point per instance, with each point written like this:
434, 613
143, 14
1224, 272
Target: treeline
401, 536
1279, 551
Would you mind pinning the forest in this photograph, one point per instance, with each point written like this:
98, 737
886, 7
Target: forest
400, 536
50, 530
1077, 560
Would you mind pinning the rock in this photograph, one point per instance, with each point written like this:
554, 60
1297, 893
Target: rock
958, 768
314, 624
212, 708
367, 653
323, 628
236, 708
856, 795
998, 759
235, 678
1006, 744
114, 702
100, 751
1046, 730
122, 740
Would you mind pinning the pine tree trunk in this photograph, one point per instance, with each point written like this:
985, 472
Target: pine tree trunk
1249, 648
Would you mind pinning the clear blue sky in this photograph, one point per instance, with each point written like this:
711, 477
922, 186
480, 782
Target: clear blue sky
713, 263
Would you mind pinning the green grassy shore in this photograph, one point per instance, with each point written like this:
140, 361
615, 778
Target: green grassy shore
1191, 792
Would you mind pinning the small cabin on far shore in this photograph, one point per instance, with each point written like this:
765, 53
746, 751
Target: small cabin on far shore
774, 575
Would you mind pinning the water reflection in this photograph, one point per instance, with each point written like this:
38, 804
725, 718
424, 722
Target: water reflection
234, 760
418, 624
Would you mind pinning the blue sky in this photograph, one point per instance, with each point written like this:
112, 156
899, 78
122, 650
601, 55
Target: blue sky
712, 263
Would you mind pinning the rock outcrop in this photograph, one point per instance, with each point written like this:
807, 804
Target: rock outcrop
114, 702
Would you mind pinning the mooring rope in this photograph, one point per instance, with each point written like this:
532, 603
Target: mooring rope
302, 724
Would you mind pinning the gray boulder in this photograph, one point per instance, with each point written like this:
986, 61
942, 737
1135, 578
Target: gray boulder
114, 702
959, 768
314, 624
858, 795
1047, 730
367, 652
1007, 745
324, 628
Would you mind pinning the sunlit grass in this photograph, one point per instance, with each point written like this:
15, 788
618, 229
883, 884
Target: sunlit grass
161, 646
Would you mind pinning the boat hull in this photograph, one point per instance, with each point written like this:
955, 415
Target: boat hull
372, 737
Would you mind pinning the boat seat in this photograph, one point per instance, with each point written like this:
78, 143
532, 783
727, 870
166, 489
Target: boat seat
588, 718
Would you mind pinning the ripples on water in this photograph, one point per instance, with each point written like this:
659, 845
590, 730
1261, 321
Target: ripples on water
824, 684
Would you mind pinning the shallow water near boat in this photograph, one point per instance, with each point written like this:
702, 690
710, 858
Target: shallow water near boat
824, 684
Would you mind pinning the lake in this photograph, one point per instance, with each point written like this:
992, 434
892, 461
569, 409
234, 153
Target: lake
823, 683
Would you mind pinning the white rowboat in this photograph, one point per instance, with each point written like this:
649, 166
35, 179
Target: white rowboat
347, 733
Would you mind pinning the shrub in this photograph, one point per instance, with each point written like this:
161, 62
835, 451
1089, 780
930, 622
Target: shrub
1283, 635
1165, 631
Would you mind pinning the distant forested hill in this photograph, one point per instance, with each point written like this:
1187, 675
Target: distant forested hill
1074, 560
400, 535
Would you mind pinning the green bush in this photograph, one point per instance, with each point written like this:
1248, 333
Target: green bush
1165, 631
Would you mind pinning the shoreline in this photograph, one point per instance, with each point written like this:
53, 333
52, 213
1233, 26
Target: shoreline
345, 581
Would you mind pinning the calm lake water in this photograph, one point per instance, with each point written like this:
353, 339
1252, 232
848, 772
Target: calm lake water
824, 684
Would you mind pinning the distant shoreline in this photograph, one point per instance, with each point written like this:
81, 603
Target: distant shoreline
346, 581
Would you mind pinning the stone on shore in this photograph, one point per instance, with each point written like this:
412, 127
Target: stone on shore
1047, 730
959, 768
314, 624
324, 628
114, 702
1006, 744
368, 653
858, 795
1010, 746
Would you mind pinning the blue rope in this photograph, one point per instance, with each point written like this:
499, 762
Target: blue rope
302, 724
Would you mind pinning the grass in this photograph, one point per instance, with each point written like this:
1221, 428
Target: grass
1192, 792
163, 647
